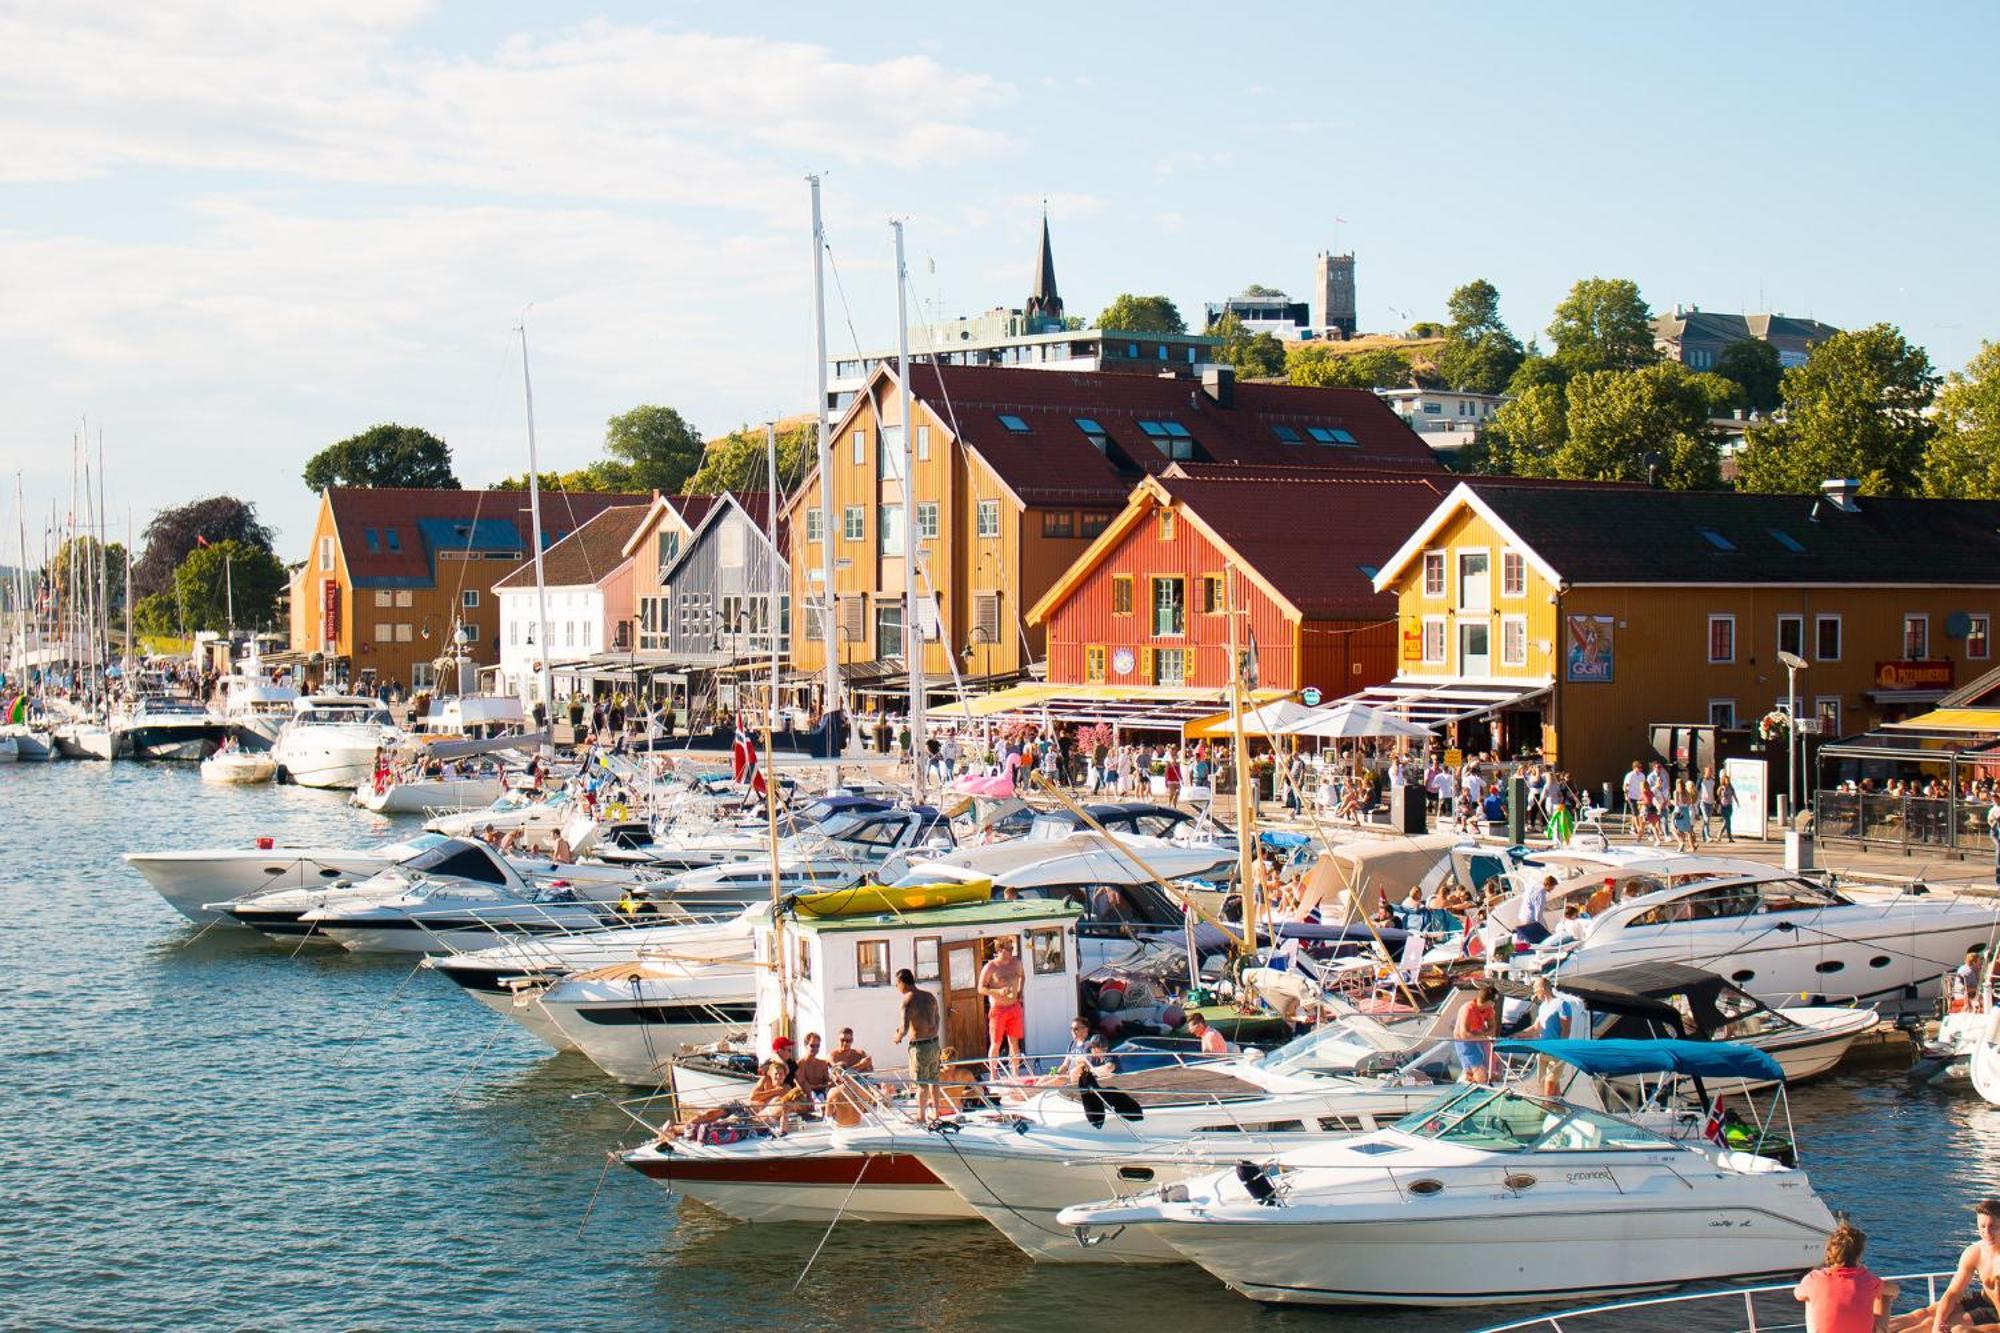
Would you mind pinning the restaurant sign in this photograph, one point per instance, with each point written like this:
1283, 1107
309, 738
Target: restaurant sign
329, 620
1909, 675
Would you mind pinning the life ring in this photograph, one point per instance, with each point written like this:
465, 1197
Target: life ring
616, 811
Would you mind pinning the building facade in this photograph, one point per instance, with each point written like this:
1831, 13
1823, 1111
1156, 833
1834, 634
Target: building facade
588, 579
712, 598
1581, 619
1697, 338
1447, 419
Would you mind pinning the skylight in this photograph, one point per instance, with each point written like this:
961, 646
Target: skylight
1786, 540
1165, 430
1369, 571
395, 541
1153, 428
1287, 434
1330, 435
1015, 424
374, 545
1716, 539
1089, 427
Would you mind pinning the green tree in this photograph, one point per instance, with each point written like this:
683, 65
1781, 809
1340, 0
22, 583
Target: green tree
83, 550
1142, 314
1963, 461
606, 474
215, 576
178, 529
1754, 367
736, 461
1603, 324
1619, 421
1479, 355
1427, 328
1535, 370
1524, 434
657, 446
1254, 355
1318, 365
385, 455
1258, 291
157, 613
1857, 408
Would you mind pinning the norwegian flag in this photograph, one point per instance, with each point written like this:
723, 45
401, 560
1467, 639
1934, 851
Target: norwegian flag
743, 759
1711, 1129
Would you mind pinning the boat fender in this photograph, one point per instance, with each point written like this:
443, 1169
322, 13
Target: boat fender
1257, 1184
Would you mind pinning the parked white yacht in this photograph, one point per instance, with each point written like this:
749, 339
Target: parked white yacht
255, 708
161, 726
191, 879
332, 740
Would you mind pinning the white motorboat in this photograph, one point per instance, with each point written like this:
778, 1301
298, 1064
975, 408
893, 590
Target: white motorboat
192, 879
239, 766
707, 837
88, 738
800, 1178
332, 740
631, 1019
1492, 1196
10, 750
33, 744
167, 727
1784, 938
417, 796
256, 709
850, 848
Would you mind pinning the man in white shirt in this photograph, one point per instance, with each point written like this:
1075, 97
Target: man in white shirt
1635, 786
1529, 930
1444, 786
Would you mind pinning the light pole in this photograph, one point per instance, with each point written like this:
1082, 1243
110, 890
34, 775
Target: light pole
1793, 740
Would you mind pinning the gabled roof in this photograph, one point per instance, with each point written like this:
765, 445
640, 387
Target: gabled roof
390, 536
1053, 460
1683, 324
688, 509
1308, 537
1583, 533
585, 557
751, 505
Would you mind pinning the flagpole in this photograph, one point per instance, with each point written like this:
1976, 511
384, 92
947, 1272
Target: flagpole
1246, 843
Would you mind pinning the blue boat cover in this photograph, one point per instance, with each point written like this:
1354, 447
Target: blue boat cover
1704, 1059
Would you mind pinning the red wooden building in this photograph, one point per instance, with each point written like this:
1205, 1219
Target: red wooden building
1145, 605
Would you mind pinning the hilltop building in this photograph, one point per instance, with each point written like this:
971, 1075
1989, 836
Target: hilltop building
1697, 338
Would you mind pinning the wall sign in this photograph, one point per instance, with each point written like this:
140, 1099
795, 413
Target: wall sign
1909, 675
1589, 657
1122, 662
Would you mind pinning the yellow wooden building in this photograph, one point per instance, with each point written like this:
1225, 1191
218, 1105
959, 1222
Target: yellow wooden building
1585, 620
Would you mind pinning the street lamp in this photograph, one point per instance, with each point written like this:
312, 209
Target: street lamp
1793, 664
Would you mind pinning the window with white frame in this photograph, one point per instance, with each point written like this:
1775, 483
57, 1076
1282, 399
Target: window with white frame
1826, 638
469, 599
989, 518
853, 523
1475, 581
1513, 641
1513, 574
927, 519
1433, 573
1916, 637
1827, 709
1792, 635
1434, 639
1722, 638
1979, 637
923, 444
860, 448
383, 598
815, 524
405, 599
325, 554
1722, 713
384, 632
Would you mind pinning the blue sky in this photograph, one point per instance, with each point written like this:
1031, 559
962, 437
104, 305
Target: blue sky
232, 234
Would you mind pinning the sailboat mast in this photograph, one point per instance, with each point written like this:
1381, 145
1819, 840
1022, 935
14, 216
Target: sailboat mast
913, 623
770, 723
535, 540
100, 630
829, 598
125, 663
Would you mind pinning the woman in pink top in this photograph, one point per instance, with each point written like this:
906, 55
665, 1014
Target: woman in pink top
1840, 1295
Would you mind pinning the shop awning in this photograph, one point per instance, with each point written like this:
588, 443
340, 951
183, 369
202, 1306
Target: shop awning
1965, 721
1137, 707
1432, 702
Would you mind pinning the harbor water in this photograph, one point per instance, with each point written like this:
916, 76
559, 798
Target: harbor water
212, 1130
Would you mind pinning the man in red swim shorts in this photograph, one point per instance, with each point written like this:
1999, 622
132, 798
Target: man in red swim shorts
1001, 981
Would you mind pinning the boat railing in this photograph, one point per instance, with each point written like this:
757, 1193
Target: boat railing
1764, 1309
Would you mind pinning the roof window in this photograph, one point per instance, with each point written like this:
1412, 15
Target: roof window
1786, 540
1330, 435
1287, 434
394, 539
1166, 430
1716, 539
1014, 424
374, 543
1093, 432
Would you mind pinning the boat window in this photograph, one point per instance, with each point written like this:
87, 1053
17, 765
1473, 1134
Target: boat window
1109, 902
1333, 1049
1051, 828
871, 962
1588, 1131
927, 958
876, 833
1159, 826
1486, 1118
1746, 1016
1046, 954
1724, 900
460, 861
1797, 895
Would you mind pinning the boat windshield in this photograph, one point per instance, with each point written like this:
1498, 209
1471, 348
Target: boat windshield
1334, 1049
323, 717
458, 860
1501, 1120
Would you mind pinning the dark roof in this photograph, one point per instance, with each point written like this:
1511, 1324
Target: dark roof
1318, 536
391, 535
1622, 534
1053, 460
586, 555
754, 505
1684, 324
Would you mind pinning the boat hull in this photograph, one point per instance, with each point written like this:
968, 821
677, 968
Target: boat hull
425, 797
815, 1187
241, 769
636, 1044
190, 880
179, 742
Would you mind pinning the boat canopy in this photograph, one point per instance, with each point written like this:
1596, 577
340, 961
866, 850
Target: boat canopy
1703, 1059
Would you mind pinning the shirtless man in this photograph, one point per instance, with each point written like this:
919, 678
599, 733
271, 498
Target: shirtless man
1981, 1260
847, 1057
1001, 981
919, 1027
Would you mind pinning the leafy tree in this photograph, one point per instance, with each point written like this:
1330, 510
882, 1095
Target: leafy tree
1603, 324
157, 613
1856, 408
1534, 371
1319, 365
83, 550
215, 574
1754, 367
1254, 355
736, 461
1257, 291
1479, 355
1427, 328
1619, 419
1963, 461
384, 455
175, 532
657, 447
1524, 435
1142, 314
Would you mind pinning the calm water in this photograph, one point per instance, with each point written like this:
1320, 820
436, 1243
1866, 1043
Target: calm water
205, 1131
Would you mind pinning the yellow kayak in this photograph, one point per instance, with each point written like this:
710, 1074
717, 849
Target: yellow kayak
875, 899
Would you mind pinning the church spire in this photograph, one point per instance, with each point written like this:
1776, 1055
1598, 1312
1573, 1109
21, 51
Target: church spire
1044, 302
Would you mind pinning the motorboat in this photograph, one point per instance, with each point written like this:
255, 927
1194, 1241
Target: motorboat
255, 708
168, 727
461, 895
33, 743
332, 740
10, 750
453, 788
850, 847
89, 738
1494, 1196
232, 765
631, 1019
189, 880
801, 1177
1783, 938
743, 836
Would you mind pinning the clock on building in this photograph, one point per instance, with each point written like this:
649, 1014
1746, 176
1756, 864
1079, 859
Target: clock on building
1122, 661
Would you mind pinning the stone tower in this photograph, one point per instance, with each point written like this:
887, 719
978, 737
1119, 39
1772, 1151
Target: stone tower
1333, 294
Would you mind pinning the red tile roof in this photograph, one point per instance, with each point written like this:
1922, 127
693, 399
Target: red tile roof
1315, 537
1054, 461
403, 553
586, 555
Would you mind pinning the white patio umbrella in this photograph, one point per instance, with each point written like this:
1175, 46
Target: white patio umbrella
1351, 719
1274, 718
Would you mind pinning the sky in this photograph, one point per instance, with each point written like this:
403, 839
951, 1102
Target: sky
231, 234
